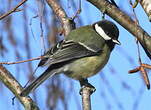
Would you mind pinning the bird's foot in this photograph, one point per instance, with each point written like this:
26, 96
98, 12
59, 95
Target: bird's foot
85, 85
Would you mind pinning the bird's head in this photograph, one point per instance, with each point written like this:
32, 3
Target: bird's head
108, 30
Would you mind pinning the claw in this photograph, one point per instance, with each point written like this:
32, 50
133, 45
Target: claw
86, 85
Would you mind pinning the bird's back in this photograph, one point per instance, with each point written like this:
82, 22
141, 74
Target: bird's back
84, 34
88, 66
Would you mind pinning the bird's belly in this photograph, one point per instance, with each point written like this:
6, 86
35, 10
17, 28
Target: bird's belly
86, 67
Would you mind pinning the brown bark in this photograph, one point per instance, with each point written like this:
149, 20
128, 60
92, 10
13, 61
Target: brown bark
13, 85
146, 5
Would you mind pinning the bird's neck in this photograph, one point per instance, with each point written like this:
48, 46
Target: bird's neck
110, 44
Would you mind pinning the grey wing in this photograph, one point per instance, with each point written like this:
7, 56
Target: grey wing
67, 51
47, 56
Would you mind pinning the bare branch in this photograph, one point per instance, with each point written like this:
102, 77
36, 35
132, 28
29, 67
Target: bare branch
129, 24
9, 63
146, 4
142, 69
146, 66
13, 10
13, 85
134, 70
145, 77
59, 11
86, 99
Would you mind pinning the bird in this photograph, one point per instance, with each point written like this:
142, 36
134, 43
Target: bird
82, 54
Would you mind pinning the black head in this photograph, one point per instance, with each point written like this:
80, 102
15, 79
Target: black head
108, 30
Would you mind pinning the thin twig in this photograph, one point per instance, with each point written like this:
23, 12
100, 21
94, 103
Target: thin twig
40, 15
78, 11
134, 70
140, 68
9, 63
137, 69
146, 66
145, 77
13, 10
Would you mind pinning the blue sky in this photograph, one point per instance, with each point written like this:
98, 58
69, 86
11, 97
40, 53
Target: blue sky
115, 88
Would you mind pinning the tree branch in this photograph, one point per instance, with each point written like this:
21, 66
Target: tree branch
32, 59
59, 11
86, 99
15, 87
13, 10
146, 4
123, 19
142, 68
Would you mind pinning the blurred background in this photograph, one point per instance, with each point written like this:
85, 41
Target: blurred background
33, 30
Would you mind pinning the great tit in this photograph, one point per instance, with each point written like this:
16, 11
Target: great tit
82, 53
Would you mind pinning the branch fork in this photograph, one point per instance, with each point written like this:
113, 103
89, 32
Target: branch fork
142, 68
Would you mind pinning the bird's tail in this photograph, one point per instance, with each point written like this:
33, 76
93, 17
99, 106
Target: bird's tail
38, 81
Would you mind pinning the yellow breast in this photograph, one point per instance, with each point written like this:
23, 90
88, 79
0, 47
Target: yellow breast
86, 67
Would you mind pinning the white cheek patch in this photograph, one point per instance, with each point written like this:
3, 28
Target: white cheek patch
100, 31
